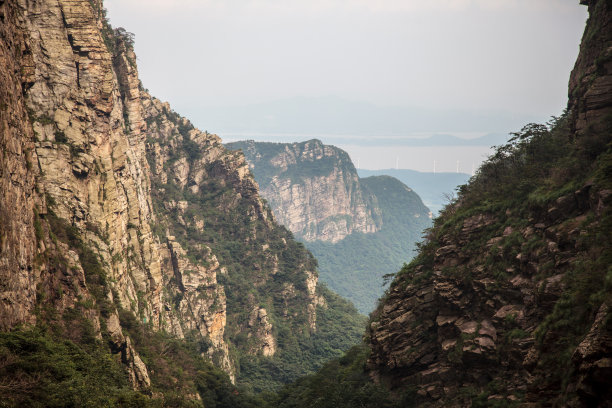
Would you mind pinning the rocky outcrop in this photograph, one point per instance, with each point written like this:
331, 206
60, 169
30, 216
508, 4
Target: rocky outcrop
461, 321
313, 189
138, 373
199, 302
262, 329
593, 362
590, 84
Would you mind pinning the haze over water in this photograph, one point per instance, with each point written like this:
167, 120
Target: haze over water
366, 71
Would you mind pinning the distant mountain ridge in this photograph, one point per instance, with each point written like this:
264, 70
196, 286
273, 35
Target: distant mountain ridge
425, 139
358, 229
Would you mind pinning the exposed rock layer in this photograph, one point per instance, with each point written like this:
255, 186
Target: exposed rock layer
590, 85
18, 171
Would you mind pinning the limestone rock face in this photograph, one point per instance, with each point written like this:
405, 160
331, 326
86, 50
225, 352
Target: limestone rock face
94, 171
325, 204
201, 303
258, 320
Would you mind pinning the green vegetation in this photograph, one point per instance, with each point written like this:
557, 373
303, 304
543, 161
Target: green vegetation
338, 328
236, 235
522, 181
38, 369
341, 383
355, 266
179, 372
433, 188
62, 362
41, 369
531, 178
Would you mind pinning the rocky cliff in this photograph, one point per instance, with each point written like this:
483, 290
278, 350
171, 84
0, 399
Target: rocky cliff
590, 86
18, 172
116, 208
317, 182
313, 188
508, 302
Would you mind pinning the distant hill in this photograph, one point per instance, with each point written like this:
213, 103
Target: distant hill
431, 187
358, 229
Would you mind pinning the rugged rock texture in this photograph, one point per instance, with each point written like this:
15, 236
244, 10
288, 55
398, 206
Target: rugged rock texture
590, 85
263, 330
199, 302
460, 321
18, 171
115, 207
313, 189
508, 301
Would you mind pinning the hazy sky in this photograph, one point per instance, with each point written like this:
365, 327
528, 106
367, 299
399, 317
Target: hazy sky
508, 56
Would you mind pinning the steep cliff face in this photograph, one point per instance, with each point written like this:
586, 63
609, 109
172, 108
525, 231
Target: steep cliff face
313, 189
118, 210
590, 86
18, 171
66, 88
508, 301
236, 277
